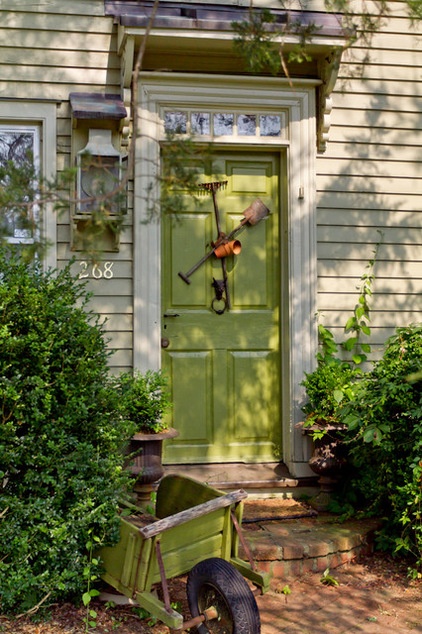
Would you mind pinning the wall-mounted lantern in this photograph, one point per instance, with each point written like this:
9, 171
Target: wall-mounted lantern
99, 172
100, 202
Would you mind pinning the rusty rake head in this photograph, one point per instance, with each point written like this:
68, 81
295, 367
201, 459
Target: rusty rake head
213, 186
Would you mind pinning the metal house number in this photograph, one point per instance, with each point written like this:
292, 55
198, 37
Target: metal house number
96, 271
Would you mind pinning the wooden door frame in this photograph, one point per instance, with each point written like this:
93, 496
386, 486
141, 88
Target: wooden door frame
178, 90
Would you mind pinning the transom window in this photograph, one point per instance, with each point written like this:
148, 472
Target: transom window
19, 145
228, 124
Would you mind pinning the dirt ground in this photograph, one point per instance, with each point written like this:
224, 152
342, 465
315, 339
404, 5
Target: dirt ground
374, 596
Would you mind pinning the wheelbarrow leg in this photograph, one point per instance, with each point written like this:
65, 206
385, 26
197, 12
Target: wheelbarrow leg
164, 584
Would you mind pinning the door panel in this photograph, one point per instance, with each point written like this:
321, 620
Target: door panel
225, 369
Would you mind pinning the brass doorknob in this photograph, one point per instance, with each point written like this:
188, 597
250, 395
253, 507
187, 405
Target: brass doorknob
165, 342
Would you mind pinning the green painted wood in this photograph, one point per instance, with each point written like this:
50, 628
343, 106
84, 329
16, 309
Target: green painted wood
191, 535
152, 603
260, 579
177, 493
118, 561
197, 525
225, 369
179, 561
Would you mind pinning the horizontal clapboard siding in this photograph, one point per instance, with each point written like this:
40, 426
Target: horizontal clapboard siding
49, 49
368, 180
369, 184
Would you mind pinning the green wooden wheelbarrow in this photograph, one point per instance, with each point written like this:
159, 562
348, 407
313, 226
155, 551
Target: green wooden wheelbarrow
197, 532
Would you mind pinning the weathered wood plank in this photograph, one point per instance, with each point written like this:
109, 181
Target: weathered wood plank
369, 218
59, 75
380, 145
344, 268
391, 235
368, 184
386, 301
31, 21
372, 168
58, 40
59, 58
360, 200
91, 8
197, 511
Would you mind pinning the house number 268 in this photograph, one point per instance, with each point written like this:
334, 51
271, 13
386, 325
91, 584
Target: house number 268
97, 271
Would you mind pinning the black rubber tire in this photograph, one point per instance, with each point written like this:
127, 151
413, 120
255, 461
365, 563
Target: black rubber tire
215, 582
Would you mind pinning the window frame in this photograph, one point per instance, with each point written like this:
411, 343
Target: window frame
34, 130
41, 116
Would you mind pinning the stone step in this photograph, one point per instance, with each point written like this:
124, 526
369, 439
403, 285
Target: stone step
292, 548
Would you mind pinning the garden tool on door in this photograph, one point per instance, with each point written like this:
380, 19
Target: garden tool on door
226, 244
219, 285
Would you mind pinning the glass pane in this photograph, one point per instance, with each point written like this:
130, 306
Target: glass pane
201, 123
223, 124
175, 122
270, 125
99, 177
17, 146
246, 124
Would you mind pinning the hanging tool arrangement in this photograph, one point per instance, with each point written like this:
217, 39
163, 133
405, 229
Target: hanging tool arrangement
225, 245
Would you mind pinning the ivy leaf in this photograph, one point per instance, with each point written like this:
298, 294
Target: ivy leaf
360, 311
350, 323
350, 343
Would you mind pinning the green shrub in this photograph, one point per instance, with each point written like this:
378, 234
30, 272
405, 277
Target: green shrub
327, 389
385, 430
61, 459
144, 400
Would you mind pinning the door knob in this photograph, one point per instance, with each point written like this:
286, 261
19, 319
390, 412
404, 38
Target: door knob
165, 342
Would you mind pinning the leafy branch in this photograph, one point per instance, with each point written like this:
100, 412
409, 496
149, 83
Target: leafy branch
261, 37
358, 323
90, 575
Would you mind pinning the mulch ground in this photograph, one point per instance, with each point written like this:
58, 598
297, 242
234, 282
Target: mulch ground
374, 595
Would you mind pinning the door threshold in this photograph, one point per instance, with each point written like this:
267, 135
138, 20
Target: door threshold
274, 475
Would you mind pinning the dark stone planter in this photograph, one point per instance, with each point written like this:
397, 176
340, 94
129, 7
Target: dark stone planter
147, 450
328, 461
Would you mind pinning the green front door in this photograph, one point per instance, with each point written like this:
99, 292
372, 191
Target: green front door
224, 369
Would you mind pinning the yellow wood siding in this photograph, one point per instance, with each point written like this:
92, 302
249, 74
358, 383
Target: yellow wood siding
49, 49
369, 180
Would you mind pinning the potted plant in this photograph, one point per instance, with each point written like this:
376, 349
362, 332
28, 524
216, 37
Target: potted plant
144, 401
328, 388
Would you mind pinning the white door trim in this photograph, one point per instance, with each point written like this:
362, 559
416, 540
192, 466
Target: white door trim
175, 90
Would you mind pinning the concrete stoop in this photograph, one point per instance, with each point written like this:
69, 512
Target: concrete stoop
292, 548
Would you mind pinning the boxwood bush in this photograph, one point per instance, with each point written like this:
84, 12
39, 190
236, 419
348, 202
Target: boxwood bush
61, 472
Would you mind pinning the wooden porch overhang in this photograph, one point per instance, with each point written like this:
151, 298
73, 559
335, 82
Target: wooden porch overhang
215, 17
200, 32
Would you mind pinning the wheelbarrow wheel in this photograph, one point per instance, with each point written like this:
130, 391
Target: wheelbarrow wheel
215, 582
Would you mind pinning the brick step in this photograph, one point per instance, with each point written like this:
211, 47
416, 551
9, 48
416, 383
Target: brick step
292, 548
